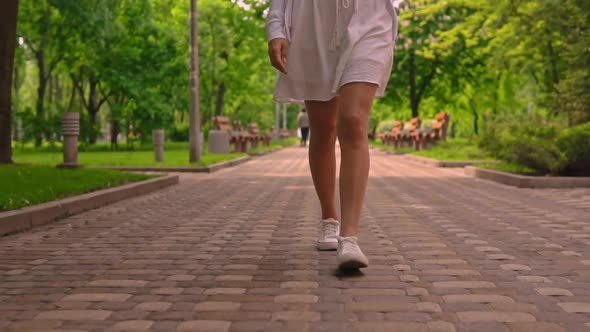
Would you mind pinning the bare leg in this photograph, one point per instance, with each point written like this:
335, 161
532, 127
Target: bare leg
323, 117
353, 117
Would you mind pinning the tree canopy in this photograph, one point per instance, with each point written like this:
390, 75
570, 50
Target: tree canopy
124, 64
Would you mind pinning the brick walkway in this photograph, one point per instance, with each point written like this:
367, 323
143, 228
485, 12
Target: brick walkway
234, 251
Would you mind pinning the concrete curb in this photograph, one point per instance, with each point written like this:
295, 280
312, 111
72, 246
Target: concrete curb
526, 181
207, 169
23, 219
447, 163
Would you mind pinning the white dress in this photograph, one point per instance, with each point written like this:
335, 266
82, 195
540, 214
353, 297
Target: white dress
332, 43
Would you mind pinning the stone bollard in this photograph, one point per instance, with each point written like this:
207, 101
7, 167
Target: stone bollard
158, 138
70, 124
218, 141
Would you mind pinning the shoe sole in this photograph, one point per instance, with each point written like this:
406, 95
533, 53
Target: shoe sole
352, 264
326, 246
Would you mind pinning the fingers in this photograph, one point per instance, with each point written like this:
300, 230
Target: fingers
277, 51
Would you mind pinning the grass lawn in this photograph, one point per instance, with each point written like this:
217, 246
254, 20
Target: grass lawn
455, 149
451, 149
511, 168
122, 158
379, 145
27, 185
175, 154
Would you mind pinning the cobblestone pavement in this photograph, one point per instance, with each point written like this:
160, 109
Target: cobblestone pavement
234, 251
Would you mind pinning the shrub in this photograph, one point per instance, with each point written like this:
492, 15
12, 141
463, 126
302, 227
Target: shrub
179, 133
575, 144
529, 143
542, 146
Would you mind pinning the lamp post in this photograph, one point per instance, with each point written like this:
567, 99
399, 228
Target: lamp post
195, 119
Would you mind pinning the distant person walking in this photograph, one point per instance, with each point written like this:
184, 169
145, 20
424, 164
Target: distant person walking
303, 123
337, 56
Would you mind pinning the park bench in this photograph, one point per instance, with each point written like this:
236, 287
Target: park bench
427, 137
236, 137
391, 138
408, 135
257, 135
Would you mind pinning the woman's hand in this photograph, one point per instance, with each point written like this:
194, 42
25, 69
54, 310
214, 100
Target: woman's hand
277, 51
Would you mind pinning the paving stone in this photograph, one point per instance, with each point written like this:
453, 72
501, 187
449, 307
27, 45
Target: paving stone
535, 327
97, 297
74, 315
296, 298
387, 326
154, 306
133, 325
477, 298
216, 306
299, 284
117, 283
217, 291
500, 257
463, 284
548, 291
515, 267
236, 252
535, 279
204, 326
296, 316
441, 326
497, 316
440, 261
380, 306
575, 307
451, 272
373, 291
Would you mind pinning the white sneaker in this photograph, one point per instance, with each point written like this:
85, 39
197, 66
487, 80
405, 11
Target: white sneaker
328, 238
350, 255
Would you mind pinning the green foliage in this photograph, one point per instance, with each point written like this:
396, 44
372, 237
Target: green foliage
455, 149
27, 185
574, 142
543, 146
510, 168
141, 157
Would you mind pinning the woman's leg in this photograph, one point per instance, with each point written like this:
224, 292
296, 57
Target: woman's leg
353, 117
323, 117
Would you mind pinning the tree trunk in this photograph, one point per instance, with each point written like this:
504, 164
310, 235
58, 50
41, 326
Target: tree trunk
195, 121
412, 84
220, 97
475, 117
92, 111
115, 130
40, 105
8, 19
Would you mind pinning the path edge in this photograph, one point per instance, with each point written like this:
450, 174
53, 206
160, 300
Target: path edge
527, 181
446, 163
15, 221
205, 169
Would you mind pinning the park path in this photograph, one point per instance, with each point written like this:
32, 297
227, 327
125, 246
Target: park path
234, 251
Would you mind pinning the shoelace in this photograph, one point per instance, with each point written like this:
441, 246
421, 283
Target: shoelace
349, 243
331, 228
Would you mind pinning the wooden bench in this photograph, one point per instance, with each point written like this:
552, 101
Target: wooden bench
426, 138
408, 134
257, 135
391, 138
236, 136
